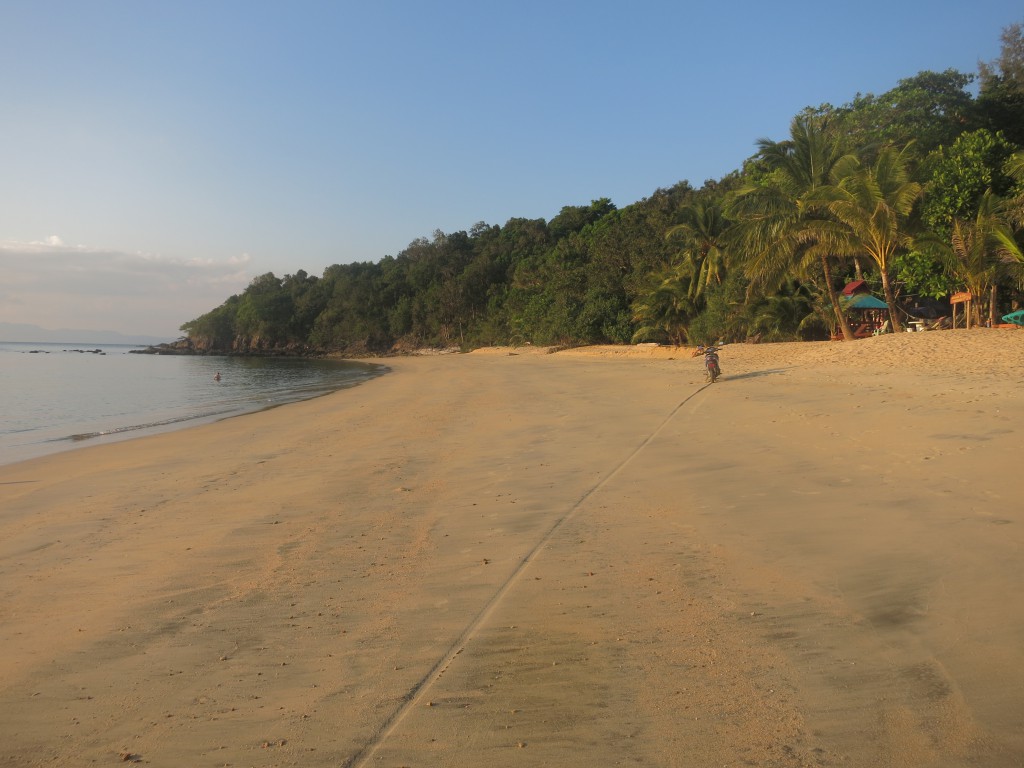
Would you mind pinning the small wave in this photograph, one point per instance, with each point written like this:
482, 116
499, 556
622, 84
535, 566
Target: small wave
149, 425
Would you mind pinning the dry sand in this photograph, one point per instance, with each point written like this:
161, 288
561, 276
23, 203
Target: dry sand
512, 558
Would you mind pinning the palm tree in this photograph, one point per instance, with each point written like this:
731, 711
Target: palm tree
703, 233
873, 206
983, 250
780, 235
785, 315
667, 308
1015, 205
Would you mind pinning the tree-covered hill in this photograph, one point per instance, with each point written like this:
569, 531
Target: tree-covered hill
918, 191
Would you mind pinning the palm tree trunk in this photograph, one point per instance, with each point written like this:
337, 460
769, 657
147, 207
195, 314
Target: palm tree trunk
834, 298
992, 311
890, 299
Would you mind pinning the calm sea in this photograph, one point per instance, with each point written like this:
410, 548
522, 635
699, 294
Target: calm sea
54, 397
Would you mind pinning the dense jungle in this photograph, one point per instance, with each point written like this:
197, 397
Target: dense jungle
919, 192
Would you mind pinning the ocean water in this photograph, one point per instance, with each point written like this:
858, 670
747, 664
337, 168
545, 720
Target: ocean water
55, 397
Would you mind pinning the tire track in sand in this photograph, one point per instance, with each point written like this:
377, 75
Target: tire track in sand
418, 691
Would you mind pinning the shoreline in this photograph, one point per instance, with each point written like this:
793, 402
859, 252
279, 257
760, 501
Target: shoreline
125, 405
572, 558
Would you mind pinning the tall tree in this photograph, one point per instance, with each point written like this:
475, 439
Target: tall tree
1015, 204
983, 250
780, 234
573, 218
1001, 93
930, 108
873, 205
960, 174
666, 308
703, 234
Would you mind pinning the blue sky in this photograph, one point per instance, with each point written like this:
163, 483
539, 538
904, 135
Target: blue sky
156, 156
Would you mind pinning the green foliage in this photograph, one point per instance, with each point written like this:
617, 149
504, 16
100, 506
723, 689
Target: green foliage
930, 108
665, 309
264, 314
960, 175
756, 254
983, 250
703, 235
1014, 168
725, 316
573, 218
797, 312
1001, 96
922, 275
871, 207
781, 233
215, 329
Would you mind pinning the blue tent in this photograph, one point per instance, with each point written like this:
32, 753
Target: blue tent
1017, 318
865, 301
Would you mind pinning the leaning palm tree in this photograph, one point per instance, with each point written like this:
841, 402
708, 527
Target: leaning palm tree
780, 235
873, 206
703, 235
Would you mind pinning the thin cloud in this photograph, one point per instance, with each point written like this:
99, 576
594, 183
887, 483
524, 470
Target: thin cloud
50, 283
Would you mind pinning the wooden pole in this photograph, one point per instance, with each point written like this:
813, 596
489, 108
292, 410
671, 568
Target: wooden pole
964, 297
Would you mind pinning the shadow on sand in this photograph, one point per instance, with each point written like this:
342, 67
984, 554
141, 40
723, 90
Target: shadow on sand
753, 374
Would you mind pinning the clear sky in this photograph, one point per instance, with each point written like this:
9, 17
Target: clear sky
157, 155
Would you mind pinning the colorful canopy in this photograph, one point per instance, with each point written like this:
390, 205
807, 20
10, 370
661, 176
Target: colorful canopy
865, 301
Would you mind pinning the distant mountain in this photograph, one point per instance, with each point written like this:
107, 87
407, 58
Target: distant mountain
26, 332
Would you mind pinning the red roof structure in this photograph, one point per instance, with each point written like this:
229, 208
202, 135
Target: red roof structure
857, 286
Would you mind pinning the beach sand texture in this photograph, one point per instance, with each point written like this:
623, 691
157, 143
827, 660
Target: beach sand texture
512, 558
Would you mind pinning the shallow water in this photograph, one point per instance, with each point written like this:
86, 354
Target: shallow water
55, 397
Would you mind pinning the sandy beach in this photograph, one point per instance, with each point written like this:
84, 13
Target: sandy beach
521, 558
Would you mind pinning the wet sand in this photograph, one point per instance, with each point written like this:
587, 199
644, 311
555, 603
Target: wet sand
518, 558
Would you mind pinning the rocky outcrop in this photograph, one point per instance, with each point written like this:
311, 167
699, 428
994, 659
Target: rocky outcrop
241, 347
180, 347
